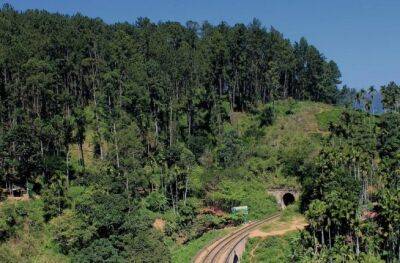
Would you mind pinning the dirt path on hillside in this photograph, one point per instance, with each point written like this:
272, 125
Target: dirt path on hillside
280, 228
277, 228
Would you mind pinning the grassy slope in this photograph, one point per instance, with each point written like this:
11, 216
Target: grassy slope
290, 136
277, 155
274, 248
295, 135
33, 242
270, 250
309, 122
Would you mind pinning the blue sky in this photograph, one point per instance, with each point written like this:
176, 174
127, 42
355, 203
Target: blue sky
362, 36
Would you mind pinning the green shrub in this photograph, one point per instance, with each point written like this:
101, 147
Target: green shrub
270, 250
7, 255
147, 247
70, 231
9, 221
251, 193
230, 150
325, 118
100, 250
156, 201
14, 215
267, 116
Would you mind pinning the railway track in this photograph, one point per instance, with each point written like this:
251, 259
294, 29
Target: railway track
221, 250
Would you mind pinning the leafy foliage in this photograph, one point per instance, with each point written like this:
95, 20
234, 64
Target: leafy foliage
115, 126
351, 192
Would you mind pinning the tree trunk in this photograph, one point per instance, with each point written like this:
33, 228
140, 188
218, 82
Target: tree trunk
176, 192
170, 123
285, 88
156, 129
264, 98
172, 198
115, 134
330, 238
97, 123
116, 145
357, 246
330, 243
398, 250
189, 116
82, 157
315, 242
41, 149
67, 162
186, 189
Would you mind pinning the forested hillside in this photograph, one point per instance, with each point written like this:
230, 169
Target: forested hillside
165, 85
133, 139
351, 192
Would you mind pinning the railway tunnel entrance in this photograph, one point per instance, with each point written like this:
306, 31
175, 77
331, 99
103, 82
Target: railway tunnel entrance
288, 199
284, 196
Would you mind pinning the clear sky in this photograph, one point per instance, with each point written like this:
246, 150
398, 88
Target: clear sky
362, 36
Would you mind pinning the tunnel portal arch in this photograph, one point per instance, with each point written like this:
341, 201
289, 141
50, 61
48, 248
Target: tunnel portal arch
284, 196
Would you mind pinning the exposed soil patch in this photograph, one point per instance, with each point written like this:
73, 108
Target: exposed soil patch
13, 199
213, 210
159, 224
279, 228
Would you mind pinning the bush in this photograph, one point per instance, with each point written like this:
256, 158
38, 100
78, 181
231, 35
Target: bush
172, 223
3, 195
8, 221
189, 210
272, 249
7, 255
54, 200
14, 215
138, 221
156, 201
251, 193
326, 118
238, 218
70, 231
267, 117
291, 105
100, 250
229, 194
147, 247
230, 150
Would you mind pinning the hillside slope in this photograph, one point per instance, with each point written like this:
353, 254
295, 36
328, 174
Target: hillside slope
276, 160
272, 157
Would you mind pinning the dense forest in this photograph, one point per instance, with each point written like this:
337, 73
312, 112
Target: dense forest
113, 128
165, 85
351, 191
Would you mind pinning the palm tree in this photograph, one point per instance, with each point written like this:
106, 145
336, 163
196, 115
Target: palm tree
362, 96
358, 98
371, 92
368, 105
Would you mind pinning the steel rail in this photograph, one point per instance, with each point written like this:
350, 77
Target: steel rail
224, 244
